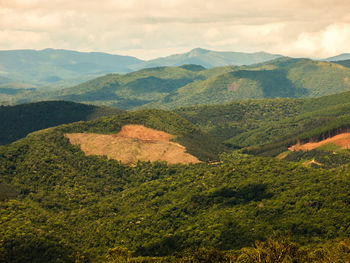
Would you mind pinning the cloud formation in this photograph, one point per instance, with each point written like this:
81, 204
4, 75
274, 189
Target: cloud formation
161, 27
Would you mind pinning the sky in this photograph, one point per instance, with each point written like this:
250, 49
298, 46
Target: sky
153, 28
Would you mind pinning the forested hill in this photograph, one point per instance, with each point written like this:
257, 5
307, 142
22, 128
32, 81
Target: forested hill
239, 124
60, 205
173, 87
270, 126
196, 142
19, 120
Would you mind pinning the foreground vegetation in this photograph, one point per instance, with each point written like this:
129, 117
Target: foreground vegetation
276, 249
62, 206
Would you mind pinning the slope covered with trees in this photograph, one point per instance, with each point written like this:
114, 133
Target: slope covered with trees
59, 205
77, 207
17, 121
270, 126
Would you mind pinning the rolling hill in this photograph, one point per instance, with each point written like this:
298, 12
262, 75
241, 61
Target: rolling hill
174, 87
270, 126
186, 85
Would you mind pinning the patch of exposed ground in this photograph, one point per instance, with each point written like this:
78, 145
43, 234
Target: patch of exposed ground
308, 163
133, 143
342, 140
282, 155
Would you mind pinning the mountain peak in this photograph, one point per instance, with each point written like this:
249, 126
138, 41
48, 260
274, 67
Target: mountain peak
198, 51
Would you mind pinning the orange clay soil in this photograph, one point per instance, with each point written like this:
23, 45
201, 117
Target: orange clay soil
132, 143
342, 140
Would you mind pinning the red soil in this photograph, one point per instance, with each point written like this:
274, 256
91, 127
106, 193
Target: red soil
134, 142
342, 140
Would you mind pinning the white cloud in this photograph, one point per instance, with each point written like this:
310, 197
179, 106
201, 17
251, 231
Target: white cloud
332, 40
160, 27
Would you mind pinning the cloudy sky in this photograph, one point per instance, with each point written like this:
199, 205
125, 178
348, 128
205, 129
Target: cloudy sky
152, 28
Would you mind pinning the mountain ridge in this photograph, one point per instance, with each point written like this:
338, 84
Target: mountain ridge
173, 87
61, 68
209, 58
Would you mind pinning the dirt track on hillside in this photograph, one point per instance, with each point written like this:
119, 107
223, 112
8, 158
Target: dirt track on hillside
342, 140
134, 142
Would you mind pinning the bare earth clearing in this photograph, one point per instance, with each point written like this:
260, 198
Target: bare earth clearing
132, 143
341, 140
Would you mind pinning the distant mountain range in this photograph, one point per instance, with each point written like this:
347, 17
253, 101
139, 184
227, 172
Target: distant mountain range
173, 87
51, 67
209, 59
57, 68
196, 77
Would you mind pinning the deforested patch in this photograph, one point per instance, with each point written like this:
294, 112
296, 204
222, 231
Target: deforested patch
133, 143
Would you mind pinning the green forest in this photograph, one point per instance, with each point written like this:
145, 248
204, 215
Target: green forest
19, 120
59, 205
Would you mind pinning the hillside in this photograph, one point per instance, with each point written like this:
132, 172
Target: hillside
133, 89
132, 144
345, 63
174, 87
17, 121
155, 209
295, 78
270, 126
185, 133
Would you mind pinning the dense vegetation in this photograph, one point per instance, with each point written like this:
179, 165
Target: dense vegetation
270, 126
71, 207
196, 142
173, 87
17, 121
321, 158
